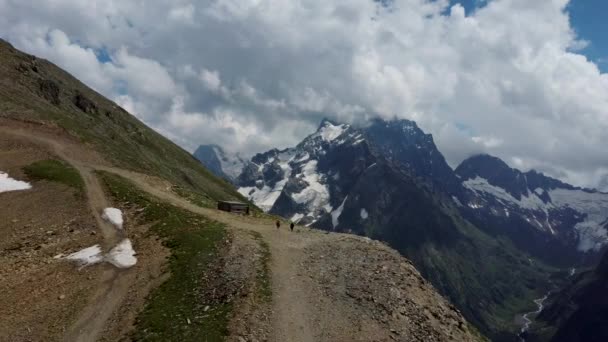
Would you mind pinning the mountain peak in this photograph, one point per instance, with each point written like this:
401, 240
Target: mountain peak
327, 122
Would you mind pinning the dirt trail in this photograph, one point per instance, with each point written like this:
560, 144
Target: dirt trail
114, 283
293, 312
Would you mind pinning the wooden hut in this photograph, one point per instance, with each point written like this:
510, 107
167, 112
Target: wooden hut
233, 207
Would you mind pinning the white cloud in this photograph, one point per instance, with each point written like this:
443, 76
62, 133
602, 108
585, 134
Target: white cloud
262, 73
182, 13
211, 79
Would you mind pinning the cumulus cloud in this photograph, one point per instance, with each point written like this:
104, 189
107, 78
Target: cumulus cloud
507, 79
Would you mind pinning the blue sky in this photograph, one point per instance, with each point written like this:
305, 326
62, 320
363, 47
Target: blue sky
588, 17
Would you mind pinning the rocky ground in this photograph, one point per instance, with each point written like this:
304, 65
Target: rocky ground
381, 293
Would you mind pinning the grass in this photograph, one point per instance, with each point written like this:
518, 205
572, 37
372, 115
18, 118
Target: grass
263, 285
201, 200
56, 171
178, 310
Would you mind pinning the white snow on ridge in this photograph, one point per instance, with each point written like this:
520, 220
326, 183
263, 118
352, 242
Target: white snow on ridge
592, 236
114, 216
316, 195
122, 255
267, 196
335, 215
9, 184
481, 185
330, 132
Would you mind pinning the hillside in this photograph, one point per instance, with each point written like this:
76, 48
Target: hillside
108, 236
35, 91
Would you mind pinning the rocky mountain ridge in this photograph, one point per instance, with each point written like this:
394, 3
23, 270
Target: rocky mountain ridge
548, 218
309, 183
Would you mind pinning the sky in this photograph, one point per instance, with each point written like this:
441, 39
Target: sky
523, 80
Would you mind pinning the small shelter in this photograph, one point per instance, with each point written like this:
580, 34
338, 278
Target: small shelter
233, 207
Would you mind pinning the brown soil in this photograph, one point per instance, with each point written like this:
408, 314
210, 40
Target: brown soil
81, 303
40, 223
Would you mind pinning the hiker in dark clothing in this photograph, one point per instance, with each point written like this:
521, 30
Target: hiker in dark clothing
278, 223
291, 225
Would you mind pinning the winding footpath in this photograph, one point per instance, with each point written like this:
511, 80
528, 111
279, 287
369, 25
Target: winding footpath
294, 315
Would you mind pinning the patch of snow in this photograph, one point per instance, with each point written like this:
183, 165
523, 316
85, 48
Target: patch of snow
475, 205
592, 235
364, 214
267, 196
316, 194
539, 191
9, 184
335, 215
358, 141
87, 256
122, 255
330, 132
531, 201
114, 216
303, 158
296, 218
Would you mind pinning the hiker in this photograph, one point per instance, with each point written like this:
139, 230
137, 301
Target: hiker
291, 226
278, 223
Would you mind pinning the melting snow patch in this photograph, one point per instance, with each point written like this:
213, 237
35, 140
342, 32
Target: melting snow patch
9, 184
88, 256
335, 215
297, 217
114, 216
364, 214
122, 255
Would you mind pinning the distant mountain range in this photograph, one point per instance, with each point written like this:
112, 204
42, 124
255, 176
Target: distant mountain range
474, 231
220, 163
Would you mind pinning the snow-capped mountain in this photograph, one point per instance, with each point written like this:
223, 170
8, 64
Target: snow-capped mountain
312, 184
539, 213
389, 181
308, 181
219, 162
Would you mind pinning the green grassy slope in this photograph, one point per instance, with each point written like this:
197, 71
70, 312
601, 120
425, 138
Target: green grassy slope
35, 90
